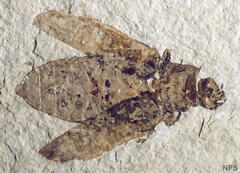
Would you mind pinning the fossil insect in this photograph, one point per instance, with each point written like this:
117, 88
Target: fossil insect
120, 91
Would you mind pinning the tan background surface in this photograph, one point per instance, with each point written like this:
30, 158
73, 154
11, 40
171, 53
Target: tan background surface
203, 33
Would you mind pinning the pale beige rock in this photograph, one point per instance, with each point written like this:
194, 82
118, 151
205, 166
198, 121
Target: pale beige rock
201, 33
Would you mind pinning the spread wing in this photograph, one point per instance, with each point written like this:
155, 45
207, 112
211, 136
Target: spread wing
85, 142
132, 118
76, 89
91, 36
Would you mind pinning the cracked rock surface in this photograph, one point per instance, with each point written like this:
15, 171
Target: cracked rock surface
205, 34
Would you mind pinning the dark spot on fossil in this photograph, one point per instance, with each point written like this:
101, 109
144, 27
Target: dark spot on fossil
146, 93
125, 108
204, 83
134, 99
107, 83
101, 120
69, 94
167, 88
209, 91
147, 70
154, 97
95, 92
78, 104
150, 63
50, 89
64, 103
68, 133
89, 107
63, 74
107, 97
98, 56
129, 71
131, 58
182, 109
100, 61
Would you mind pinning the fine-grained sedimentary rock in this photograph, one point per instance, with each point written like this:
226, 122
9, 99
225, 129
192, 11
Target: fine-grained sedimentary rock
120, 91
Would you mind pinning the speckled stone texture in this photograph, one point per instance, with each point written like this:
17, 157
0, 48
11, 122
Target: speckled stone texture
201, 33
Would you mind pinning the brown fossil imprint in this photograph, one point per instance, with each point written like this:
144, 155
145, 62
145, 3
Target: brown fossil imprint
120, 91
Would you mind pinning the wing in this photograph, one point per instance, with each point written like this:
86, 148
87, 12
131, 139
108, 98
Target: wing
76, 89
132, 118
87, 141
91, 36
